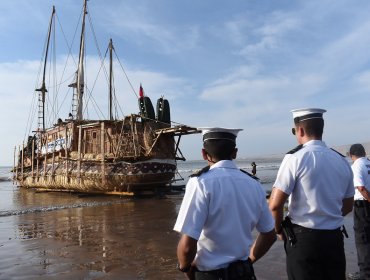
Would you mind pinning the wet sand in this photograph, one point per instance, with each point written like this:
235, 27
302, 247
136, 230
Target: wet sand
62, 236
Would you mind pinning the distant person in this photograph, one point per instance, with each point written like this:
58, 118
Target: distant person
221, 207
361, 215
319, 184
254, 168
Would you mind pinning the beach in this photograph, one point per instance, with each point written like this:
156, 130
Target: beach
66, 236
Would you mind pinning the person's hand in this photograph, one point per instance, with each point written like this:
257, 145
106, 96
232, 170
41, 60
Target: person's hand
281, 236
191, 273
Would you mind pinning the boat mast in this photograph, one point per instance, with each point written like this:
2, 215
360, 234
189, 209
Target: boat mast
43, 89
80, 71
110, 79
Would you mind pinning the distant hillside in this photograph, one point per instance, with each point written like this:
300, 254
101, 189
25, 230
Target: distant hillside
345, 148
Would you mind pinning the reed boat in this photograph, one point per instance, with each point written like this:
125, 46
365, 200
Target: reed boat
124, 155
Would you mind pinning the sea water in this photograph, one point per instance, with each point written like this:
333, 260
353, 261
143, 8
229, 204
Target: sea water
267, 168
16, 201
66, 236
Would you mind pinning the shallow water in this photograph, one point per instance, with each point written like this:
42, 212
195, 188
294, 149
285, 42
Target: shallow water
99, 238
63, 236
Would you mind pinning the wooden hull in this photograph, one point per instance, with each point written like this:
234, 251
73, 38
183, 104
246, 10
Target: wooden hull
91, 178
127, 155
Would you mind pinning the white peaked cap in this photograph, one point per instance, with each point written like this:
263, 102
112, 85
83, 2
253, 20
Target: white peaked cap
219, 133
307, 114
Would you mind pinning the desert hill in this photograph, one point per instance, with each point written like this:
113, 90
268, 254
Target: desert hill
343, 149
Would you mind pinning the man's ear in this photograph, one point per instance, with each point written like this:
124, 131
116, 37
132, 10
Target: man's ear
235, 152
301, 131
204, 154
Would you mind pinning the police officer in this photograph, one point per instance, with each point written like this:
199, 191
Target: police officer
361, 215
221, 207
318, 182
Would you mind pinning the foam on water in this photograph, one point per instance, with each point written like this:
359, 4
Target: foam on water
262, 164
56, 207
267, 168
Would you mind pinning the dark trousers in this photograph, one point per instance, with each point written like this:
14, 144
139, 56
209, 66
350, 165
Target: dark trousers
317, 255
211, 276
208, 276
361, 226
238, 270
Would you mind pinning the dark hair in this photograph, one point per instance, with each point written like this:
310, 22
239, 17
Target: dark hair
357, 150
313, 127
220, 149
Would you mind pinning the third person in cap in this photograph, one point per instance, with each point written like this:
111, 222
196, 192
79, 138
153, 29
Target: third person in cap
361, 215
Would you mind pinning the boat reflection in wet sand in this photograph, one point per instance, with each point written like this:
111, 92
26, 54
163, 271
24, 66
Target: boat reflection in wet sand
128, 155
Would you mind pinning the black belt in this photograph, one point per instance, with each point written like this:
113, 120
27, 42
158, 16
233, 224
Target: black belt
217, 272
221, 272
362, 203
300, 229
237, 268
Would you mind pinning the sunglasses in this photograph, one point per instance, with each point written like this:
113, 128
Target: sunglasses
293, 130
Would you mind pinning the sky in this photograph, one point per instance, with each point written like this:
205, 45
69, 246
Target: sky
236, 64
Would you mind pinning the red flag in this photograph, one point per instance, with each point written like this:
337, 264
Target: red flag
141, 92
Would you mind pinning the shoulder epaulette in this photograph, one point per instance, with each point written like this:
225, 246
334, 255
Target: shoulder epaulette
250, 175
200, 172
296, 149
337, 152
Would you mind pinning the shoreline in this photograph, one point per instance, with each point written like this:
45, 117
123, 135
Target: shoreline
100, 237
130, 239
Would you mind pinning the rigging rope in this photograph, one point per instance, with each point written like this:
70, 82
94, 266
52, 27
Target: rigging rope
52, 110
125, 74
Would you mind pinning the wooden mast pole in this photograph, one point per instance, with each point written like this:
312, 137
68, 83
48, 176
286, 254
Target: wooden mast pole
79, 156
60, 143
45, 158
80, 71
133, 132
53, 160
39, 149
43, 86
110, 79
66, 153
102, 147
32, 160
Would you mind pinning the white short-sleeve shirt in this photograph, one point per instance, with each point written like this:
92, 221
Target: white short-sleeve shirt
220, 209
317, 180
361, 175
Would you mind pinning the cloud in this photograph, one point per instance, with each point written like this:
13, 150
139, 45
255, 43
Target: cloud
270, 91
141, 27
269, 35
245, 67
362, 81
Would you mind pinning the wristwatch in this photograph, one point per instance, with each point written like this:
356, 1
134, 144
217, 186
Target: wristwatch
184, 269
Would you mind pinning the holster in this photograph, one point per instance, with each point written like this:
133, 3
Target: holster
288, 232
